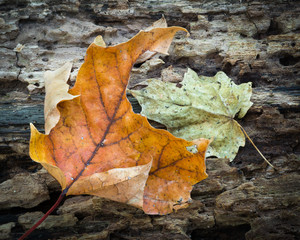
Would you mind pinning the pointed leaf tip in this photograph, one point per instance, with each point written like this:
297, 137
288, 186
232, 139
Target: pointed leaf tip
99, 41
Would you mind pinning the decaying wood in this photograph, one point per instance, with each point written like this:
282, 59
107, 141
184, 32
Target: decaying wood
248, 40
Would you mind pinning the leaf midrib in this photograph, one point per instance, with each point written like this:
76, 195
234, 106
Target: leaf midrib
101, 142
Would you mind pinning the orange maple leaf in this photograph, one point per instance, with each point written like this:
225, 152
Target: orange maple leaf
95, 144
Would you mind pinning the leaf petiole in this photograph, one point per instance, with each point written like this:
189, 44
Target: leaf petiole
244, 131
44, 217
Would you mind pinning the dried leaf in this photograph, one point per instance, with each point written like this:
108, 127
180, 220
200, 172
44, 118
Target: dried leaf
161, 23
202, 107
56, 91
101, 147
19, 48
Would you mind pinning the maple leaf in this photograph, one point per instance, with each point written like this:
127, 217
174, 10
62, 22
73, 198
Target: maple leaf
95, 144
202, 107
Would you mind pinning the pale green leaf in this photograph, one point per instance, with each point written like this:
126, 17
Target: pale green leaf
204, 107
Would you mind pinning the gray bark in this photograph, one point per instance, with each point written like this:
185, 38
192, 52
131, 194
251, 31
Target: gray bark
248, 40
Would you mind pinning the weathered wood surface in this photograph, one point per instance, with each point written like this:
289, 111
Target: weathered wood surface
249, 40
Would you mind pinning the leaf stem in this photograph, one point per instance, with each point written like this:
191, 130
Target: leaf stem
44, 217
244, 131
